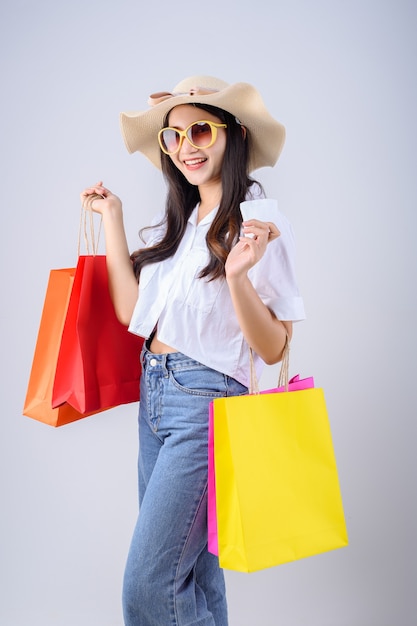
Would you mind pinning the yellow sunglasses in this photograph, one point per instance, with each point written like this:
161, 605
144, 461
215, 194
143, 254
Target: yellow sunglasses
200, 134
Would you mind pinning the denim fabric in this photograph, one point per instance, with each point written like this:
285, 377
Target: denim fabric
171, 579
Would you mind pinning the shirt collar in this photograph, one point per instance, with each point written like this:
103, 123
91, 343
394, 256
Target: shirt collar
206, 220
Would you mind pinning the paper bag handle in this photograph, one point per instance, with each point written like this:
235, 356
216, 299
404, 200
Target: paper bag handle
87, 230
283, 373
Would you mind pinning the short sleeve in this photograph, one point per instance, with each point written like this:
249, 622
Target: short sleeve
274, 277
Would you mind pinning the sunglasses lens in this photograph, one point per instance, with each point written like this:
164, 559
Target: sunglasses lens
200, 134
170, 140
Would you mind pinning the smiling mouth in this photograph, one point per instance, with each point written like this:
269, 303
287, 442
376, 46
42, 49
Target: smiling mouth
190, 162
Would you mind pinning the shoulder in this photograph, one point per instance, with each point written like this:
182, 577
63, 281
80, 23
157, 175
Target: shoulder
153, 233
255, 192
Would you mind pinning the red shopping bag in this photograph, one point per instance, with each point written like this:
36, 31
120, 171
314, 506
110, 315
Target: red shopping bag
38, 401
98, 363
294, 384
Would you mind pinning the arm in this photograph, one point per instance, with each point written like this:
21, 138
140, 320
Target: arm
261, 329
122, 281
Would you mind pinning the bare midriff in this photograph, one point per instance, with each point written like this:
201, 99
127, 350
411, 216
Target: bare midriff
157, 347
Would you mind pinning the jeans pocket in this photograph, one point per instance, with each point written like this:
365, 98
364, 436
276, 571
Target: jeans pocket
199, 382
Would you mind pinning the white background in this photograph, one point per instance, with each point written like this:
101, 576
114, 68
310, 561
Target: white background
341, 76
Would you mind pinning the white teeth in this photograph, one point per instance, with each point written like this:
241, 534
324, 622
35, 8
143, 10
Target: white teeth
194, 161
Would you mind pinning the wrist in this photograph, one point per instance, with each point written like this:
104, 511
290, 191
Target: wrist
237, 280
113, 212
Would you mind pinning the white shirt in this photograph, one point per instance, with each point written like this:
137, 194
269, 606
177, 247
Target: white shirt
195, 316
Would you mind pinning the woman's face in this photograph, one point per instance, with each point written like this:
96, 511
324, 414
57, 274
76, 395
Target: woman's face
200, 166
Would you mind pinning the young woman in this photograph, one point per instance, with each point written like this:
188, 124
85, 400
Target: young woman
210, 287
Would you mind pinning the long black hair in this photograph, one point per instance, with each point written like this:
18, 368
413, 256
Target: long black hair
182, 198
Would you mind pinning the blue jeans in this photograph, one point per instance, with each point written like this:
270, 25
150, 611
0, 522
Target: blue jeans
171, 579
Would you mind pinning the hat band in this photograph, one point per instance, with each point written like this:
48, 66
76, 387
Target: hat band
161, 96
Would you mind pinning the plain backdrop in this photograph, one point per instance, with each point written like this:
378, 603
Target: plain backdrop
341, 76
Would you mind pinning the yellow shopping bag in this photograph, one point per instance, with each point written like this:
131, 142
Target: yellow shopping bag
277, 489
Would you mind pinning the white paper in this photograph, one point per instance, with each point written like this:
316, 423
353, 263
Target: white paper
263, 209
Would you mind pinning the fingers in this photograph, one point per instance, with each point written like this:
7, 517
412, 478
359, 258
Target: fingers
96, 192
100, 200
88, 201
274, 232
266, 231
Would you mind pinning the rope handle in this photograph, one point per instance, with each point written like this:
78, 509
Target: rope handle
283, 373
90, 241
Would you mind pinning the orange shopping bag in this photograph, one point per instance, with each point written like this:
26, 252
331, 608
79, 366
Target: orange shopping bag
38, 402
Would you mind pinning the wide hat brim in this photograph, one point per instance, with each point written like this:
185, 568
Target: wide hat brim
140, 128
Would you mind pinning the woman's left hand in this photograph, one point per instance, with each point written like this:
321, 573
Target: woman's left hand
250, 249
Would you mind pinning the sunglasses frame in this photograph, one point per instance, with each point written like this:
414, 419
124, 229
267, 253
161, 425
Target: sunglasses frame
183, 135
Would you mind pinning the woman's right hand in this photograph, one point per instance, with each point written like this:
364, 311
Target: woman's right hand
100, 199
123, 284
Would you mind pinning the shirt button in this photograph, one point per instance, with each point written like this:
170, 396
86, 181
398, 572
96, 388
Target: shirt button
153, 362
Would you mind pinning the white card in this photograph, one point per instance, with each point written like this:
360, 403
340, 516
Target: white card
263, 209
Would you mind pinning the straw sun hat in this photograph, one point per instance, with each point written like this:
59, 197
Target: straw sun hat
140, 128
